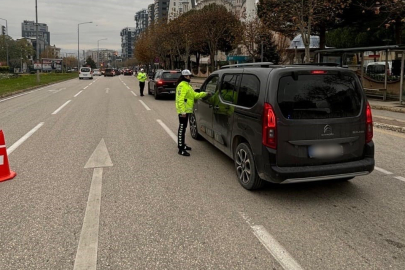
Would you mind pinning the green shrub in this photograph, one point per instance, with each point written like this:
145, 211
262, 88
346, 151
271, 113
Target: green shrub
4, 69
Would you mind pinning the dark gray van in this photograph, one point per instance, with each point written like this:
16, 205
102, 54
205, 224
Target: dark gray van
287, 124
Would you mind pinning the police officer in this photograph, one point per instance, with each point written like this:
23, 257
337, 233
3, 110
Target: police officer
142, 78
185, 97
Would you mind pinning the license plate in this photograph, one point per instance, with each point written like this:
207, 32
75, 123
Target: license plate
325, 151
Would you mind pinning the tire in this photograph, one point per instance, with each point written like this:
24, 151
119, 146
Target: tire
156, 94
246, 168
194, 128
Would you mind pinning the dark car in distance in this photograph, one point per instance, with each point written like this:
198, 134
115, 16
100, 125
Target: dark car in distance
164, 83
287, 124
109, 72
128, 72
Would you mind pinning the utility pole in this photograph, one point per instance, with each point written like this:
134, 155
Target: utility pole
36, 15
78, 49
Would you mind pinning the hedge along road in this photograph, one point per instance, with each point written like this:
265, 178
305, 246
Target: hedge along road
13, 85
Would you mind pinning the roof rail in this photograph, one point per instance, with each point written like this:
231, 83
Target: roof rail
319, 64
258, 64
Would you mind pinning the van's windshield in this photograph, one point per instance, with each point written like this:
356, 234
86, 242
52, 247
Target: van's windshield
319, 97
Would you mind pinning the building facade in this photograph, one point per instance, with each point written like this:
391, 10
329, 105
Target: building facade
161, 10
178, 7
141, 20
151, 14
128, 36
28, 30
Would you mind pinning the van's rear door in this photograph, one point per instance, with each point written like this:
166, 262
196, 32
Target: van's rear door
321, 118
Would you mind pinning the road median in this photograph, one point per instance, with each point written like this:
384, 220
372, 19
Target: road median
12, 86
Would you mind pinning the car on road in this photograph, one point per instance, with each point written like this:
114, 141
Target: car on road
109, 72
287, 124
117, 72
85, 73
96, 72
164, 83
128, 72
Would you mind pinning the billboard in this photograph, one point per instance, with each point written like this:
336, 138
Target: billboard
52, 64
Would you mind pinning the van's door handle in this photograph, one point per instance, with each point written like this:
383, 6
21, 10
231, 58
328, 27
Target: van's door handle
216, 107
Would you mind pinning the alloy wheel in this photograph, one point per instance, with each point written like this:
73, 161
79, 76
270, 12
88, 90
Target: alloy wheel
243, 166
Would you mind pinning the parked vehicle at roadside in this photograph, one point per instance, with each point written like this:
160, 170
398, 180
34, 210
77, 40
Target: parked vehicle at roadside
164, 83
287, 124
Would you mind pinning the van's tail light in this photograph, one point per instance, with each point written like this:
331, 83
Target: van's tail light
269, 127
159, 82
369, 124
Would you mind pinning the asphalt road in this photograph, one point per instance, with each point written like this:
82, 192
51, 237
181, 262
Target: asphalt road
100, 185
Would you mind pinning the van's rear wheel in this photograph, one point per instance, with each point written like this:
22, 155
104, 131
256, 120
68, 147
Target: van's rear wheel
246, 168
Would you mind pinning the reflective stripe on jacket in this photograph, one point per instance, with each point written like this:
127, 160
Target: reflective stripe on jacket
141, 76
185, 97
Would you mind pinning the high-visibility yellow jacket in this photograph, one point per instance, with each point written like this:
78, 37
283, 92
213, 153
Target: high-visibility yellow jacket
141, 76
185, 97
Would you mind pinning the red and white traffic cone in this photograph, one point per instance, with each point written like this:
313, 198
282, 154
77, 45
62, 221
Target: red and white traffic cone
5, 173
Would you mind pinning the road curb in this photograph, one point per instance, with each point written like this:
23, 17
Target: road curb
386, 108
32, 88
389, 127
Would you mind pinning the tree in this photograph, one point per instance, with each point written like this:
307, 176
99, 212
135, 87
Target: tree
19, 51
49, 52
219, 28
392, 13
291, 16
90, 62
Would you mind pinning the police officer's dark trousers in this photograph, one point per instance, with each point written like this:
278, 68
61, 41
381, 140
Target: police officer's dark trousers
141, 87
183, 121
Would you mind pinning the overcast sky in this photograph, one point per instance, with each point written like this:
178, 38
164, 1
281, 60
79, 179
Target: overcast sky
62, 16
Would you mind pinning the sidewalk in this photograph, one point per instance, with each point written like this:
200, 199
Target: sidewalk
389, 115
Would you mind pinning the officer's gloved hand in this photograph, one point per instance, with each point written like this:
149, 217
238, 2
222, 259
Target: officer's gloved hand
209, 94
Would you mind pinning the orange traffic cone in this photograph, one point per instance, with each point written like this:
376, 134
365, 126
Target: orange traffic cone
5, 173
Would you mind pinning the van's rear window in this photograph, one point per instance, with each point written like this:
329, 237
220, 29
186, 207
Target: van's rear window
85, 70
171, 75
319, 97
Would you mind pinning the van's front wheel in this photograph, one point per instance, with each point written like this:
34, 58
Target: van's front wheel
246, 168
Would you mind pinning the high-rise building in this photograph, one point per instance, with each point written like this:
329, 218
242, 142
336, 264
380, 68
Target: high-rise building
151, 14
178, 7
141, 20
127, 42
28, 30
161, 10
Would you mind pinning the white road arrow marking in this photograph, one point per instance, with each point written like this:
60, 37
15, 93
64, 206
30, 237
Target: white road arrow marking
86, 256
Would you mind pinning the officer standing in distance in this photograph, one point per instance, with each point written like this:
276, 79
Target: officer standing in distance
185, 97
142, 78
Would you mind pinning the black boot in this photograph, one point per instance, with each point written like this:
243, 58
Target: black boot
188, 148
184, 153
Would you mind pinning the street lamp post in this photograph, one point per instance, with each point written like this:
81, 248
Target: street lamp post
78, 50
5, 40
37, 39
98, 51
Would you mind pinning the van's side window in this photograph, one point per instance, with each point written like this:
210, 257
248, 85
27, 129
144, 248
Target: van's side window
211, 85
249, 91
229, 87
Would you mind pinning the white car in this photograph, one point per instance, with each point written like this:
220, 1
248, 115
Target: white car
85, 72
96, 72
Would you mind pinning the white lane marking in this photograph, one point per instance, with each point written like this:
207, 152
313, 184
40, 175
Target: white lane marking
128, 87
85, 87
61, 107
400, 178
78, 93
86, 256
383, 171
106, 90
171, 133
146, 107
23, 139
133, 93
273, 246
20, 95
